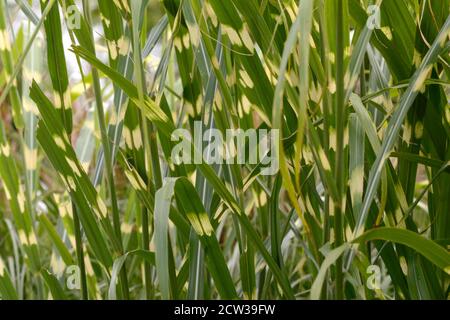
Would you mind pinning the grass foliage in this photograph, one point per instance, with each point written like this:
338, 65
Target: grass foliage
93, 206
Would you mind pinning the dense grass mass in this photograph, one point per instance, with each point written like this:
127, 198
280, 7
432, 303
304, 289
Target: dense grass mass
351, 199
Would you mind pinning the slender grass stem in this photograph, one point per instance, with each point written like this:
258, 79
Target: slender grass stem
340, 161
327, 108
148, 133
108, 159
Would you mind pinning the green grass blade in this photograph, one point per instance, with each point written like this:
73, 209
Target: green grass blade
429, 249
397, 119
